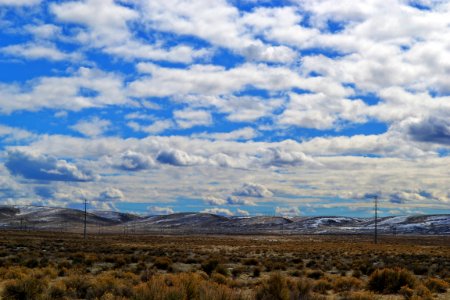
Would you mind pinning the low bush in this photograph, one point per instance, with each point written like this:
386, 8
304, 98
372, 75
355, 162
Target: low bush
28, 288
182, 286
250, 262
322, 286
57, 291
390, 281
343, 284
209, 266
360, 295
77, 285
304, 288
162, 263
317, 274
275, 288
436, 285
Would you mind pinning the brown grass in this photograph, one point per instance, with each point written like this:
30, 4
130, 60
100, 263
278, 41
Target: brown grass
47, 266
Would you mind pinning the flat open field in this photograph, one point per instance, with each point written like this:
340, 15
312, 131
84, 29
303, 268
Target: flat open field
37, 265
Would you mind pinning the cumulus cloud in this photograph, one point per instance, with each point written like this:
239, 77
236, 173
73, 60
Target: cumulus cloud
287, 157
111, 195
135, 161
178, 158
19, 2
431, 130
287, 211
233, 200
316, 98
105, 26
320, 111
242, 212
12, 134
212, 200
189, 118
246, 133
38, 51
85, 88
217, 22
47, 168
92, 127
218, 211
156, 127
211, 80
253, 190
159, 210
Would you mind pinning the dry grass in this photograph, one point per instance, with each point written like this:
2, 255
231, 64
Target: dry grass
51, 266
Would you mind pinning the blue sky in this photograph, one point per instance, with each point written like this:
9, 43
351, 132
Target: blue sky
231, 107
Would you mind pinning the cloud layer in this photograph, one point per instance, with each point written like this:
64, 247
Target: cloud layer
297, 107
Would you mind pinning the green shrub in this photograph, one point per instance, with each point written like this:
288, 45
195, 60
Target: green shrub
390, 281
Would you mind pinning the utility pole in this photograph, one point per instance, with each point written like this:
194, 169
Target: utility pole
85, 217
376, 219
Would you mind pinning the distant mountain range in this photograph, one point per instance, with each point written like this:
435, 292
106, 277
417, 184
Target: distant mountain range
66, 219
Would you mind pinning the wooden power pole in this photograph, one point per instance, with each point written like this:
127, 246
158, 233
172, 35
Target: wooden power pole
375, 236
85, 218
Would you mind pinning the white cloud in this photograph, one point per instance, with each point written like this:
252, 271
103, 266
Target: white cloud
189, 118
288, 153
233, 200
246, 133
211, 80
83, 89
215, 21
287, 211
177, 157
106, 19
157, 126
12, 134
242, 212
253, 190
44, 31
106, 26
19, 2
218, 211
322, 112
159, 210
134, 161
38, 51
111, 194
92, 127
212, 200
47, 168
